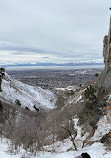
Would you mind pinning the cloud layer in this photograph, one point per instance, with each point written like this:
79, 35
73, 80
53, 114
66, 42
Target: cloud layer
52, 31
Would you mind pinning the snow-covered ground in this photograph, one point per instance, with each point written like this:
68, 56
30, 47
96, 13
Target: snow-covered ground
97, 150
64, 149
29, 96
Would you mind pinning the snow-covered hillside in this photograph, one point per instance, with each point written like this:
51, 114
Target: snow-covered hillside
28, 96
64, 149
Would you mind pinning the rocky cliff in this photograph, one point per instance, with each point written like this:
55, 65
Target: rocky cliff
105, 78
107, 50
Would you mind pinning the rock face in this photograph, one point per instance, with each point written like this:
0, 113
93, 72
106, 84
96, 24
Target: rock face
105, 78
2, 74
107, 50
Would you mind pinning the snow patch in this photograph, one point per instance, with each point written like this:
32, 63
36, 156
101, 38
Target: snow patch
70, 88
76, 99
104, 127
79, 138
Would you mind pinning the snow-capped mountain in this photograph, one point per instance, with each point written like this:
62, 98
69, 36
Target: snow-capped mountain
28, 96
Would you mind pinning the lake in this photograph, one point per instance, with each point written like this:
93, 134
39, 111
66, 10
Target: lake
54, 67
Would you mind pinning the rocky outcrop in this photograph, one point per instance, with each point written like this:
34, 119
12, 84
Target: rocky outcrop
2, 74
105, 45
107, 50
105, 78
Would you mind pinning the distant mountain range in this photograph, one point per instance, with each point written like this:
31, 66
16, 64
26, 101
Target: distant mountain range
53, 64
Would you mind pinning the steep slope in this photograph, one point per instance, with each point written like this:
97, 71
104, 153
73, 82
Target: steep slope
27, 95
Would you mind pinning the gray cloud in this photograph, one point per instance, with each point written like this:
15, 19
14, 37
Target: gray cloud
25, 51
63, 29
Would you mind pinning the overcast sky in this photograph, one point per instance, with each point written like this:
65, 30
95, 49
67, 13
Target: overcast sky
58, 31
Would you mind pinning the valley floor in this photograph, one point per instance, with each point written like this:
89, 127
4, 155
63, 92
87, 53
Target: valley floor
51, 79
